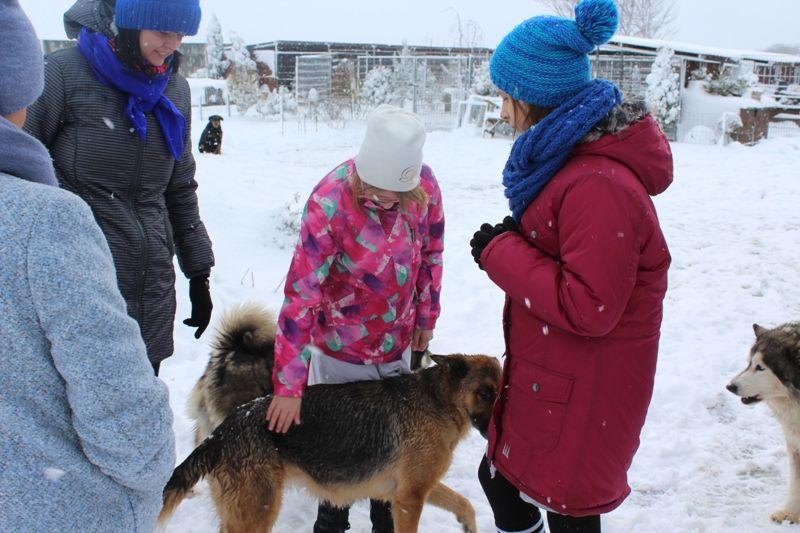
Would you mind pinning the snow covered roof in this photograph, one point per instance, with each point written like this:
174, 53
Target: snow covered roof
700, 50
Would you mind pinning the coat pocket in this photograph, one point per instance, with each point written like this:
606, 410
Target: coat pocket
537, 404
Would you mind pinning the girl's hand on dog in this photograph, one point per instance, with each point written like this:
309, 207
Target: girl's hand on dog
420, 339
282, 412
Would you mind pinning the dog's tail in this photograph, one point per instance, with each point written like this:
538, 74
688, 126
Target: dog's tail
248, 328
200, 462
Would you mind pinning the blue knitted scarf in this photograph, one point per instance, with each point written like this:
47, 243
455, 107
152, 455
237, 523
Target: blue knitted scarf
145, 93
541, 151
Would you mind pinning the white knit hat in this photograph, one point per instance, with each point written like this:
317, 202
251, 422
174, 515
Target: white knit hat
391, 154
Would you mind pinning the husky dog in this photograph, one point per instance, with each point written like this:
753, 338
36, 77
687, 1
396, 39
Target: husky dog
773, 375
239, 370
390, 440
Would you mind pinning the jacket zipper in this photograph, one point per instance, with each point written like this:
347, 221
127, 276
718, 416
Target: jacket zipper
132, 190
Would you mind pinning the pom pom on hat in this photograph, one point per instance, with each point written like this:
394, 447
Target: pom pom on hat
597, 20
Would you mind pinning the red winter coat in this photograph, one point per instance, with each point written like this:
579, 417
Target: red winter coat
584, 281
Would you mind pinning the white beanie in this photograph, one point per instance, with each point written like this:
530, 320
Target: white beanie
391, 154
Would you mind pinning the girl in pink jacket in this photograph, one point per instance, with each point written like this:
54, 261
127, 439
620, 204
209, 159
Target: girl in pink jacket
363, 288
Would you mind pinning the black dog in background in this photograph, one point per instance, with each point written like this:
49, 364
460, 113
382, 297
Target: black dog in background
211, 138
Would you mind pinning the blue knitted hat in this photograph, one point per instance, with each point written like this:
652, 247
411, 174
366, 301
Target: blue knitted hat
544, 60
21, 60
179, 16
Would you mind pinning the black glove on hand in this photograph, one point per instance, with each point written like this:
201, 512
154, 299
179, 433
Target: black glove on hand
483, 236
200, 295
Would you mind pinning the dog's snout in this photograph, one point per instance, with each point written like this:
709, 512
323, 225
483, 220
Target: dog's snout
733, 388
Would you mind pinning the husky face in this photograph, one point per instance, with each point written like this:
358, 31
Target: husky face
773, 369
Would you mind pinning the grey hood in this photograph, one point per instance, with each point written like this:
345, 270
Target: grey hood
95, 15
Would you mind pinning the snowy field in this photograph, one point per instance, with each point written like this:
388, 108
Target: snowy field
706, 463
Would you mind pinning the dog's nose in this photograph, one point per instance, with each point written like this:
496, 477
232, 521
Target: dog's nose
731, 387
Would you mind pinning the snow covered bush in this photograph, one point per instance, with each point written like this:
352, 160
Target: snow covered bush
377, 87
700, 73
729, 125
727, 86
215, 50
482, 83
269, 102
663, 95
242, 76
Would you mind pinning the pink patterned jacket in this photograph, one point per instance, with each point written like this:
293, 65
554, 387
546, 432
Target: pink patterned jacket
361, 280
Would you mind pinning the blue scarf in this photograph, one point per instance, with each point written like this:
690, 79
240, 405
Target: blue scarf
145, 93
541, 151
23, 156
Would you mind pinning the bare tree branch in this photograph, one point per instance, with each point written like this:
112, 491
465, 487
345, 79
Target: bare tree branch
467, 34
638, 18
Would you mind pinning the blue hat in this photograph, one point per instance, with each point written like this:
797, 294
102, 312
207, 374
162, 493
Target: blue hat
21, 61
544, 60
179, 16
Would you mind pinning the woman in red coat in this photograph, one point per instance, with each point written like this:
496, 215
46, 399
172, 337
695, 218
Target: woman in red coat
583, 263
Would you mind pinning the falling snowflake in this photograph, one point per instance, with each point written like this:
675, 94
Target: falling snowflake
620, 235
601, 308
528, 303
109, 124
53, 474
545, 330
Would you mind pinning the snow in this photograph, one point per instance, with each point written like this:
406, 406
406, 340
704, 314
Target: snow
700, 108
706, 462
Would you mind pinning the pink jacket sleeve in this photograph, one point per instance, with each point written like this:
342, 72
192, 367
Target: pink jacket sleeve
310, 266
429, 279
587, 291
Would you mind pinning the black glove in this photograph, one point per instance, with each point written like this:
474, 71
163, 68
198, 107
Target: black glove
200, 295
483, 236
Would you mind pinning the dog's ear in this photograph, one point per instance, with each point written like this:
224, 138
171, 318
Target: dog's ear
759, 330
455, 365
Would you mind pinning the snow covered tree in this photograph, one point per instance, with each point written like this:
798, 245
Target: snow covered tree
663, 94
377, 87
637, 18
215, 50
242, 75
482, 82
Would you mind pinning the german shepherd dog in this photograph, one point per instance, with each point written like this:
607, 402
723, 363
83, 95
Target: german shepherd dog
239, 370
773, 376
390, 440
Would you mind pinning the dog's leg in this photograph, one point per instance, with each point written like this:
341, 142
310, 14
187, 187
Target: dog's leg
791, 510
406, 508
443, 496
251, 502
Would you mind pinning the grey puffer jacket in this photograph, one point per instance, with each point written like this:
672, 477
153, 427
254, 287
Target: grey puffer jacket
141, 197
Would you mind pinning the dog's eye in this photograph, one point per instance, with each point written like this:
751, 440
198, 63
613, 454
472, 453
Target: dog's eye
759, 368
487, 394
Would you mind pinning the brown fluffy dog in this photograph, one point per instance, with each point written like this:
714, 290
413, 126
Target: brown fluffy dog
240, 368
391, 440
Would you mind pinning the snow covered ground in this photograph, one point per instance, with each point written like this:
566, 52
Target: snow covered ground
706, 463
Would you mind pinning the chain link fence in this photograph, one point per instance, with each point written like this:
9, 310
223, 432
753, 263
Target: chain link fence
333, 88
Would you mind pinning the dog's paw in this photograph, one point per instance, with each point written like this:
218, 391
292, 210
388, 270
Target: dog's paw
785, 516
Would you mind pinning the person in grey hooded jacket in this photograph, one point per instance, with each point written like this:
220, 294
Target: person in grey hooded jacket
87, 443
116, 118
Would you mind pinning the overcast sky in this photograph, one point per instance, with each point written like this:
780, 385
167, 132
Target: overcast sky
744, 24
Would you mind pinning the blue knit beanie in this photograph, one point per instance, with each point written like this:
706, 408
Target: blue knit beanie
544, 60
21, 59
179, 16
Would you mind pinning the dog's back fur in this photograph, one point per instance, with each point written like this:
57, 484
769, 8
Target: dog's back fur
240, 367
391, 440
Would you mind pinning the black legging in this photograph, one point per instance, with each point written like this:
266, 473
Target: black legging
513, 514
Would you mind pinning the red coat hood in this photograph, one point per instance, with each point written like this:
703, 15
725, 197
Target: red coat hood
643, 148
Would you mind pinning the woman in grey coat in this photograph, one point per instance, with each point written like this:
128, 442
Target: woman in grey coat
87, 442
115, 116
